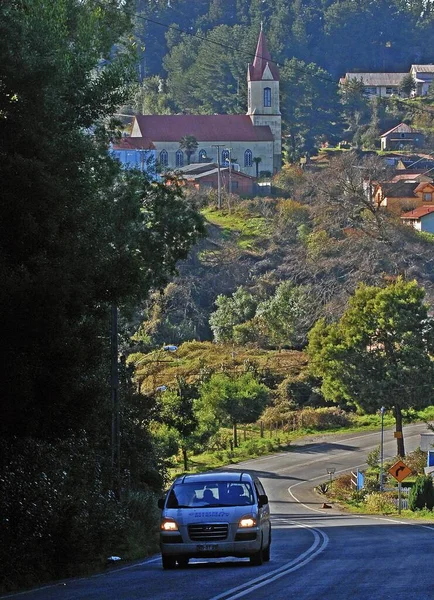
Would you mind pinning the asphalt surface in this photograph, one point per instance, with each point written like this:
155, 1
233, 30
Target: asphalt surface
316, 552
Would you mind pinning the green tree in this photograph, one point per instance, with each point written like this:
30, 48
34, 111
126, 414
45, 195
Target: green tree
407, 85
77, 233
178, 412
257, 160
189, 144
231, 311
310, 109
379, 353
233, 400
284, 315
421, 494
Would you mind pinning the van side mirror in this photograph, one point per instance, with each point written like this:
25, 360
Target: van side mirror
262, 499
161, 503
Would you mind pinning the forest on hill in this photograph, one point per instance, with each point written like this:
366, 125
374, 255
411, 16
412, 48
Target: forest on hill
193, 59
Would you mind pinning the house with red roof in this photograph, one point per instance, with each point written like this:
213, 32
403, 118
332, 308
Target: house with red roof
421, 218
247, 139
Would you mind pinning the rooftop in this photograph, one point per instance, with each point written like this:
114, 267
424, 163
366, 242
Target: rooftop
205, 128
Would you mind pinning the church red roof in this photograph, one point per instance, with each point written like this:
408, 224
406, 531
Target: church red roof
129, 143
262, 59
205, 128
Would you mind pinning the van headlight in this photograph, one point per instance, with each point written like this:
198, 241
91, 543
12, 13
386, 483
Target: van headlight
247, 521
169, 525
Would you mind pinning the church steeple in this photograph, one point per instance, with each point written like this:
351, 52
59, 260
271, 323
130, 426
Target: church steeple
263, 66
263, 105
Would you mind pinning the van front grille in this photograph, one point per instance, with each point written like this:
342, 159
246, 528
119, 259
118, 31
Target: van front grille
205, 532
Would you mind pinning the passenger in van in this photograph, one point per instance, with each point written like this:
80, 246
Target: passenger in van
236, 495
209, 497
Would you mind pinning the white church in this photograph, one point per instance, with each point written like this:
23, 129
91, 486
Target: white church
246, 138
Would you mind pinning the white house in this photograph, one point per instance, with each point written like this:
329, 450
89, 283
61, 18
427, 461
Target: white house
423, 76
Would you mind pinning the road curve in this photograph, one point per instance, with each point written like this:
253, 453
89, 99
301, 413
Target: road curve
316, 552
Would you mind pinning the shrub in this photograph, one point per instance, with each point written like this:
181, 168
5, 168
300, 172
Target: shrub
421, 494
416, 461
380, 503
323, 418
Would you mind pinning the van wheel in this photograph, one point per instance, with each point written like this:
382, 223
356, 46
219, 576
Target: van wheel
266, 552
182, 562
169, 562
257, 559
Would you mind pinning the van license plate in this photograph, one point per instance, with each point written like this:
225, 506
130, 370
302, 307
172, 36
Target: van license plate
206, 547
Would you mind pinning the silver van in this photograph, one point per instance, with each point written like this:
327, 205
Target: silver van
212, 515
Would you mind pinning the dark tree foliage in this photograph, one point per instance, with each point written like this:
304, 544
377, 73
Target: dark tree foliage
76, 233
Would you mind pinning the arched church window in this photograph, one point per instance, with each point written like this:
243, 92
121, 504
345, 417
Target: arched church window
164, 158
179, 158
267, 96
248, 156
202, 155
225, 156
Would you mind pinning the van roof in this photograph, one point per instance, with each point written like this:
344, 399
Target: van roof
215, 476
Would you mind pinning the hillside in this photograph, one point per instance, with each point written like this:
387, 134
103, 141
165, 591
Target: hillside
322, 243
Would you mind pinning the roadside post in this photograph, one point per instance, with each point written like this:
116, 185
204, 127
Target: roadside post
331, 471
399, 471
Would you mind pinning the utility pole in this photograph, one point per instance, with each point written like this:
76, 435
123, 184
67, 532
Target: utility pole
230, 180
115, 401
219, 180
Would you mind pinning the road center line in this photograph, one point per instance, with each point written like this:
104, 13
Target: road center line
319, 545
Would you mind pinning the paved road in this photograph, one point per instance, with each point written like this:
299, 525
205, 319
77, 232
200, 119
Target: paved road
316, 553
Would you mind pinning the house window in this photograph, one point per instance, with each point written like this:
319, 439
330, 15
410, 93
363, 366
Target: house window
427, 197
225, 156
202, 155
234, 185
389, 91
248, 156
179, 158
164, 158
371, 91
249, 97
267, 96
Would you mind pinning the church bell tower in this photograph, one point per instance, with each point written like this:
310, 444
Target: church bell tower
263, 106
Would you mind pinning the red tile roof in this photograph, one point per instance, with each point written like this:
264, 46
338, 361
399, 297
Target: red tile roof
205, 128
417, 213
262, 58
129, 143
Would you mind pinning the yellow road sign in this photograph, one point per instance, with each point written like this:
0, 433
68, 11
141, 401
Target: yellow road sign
400, 471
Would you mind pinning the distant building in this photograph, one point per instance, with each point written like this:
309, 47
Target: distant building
205, 177
135, 154
421, 218
250, 139
404, 195
377, 84
402, 137
387, 84
423, 76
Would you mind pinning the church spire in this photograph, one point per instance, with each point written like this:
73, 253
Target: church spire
261, 61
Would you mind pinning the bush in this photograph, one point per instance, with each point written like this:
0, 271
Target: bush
323, 418
380, 503
421, 494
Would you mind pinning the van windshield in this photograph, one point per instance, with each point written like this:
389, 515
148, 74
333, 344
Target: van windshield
209, 493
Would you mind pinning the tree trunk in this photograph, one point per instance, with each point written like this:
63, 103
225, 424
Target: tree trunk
400, 437
234, 428
184, 456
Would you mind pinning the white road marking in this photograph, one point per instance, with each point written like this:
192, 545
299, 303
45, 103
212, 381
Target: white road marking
319, 545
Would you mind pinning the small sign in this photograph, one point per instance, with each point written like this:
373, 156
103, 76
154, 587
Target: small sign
397, 434
400, 471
